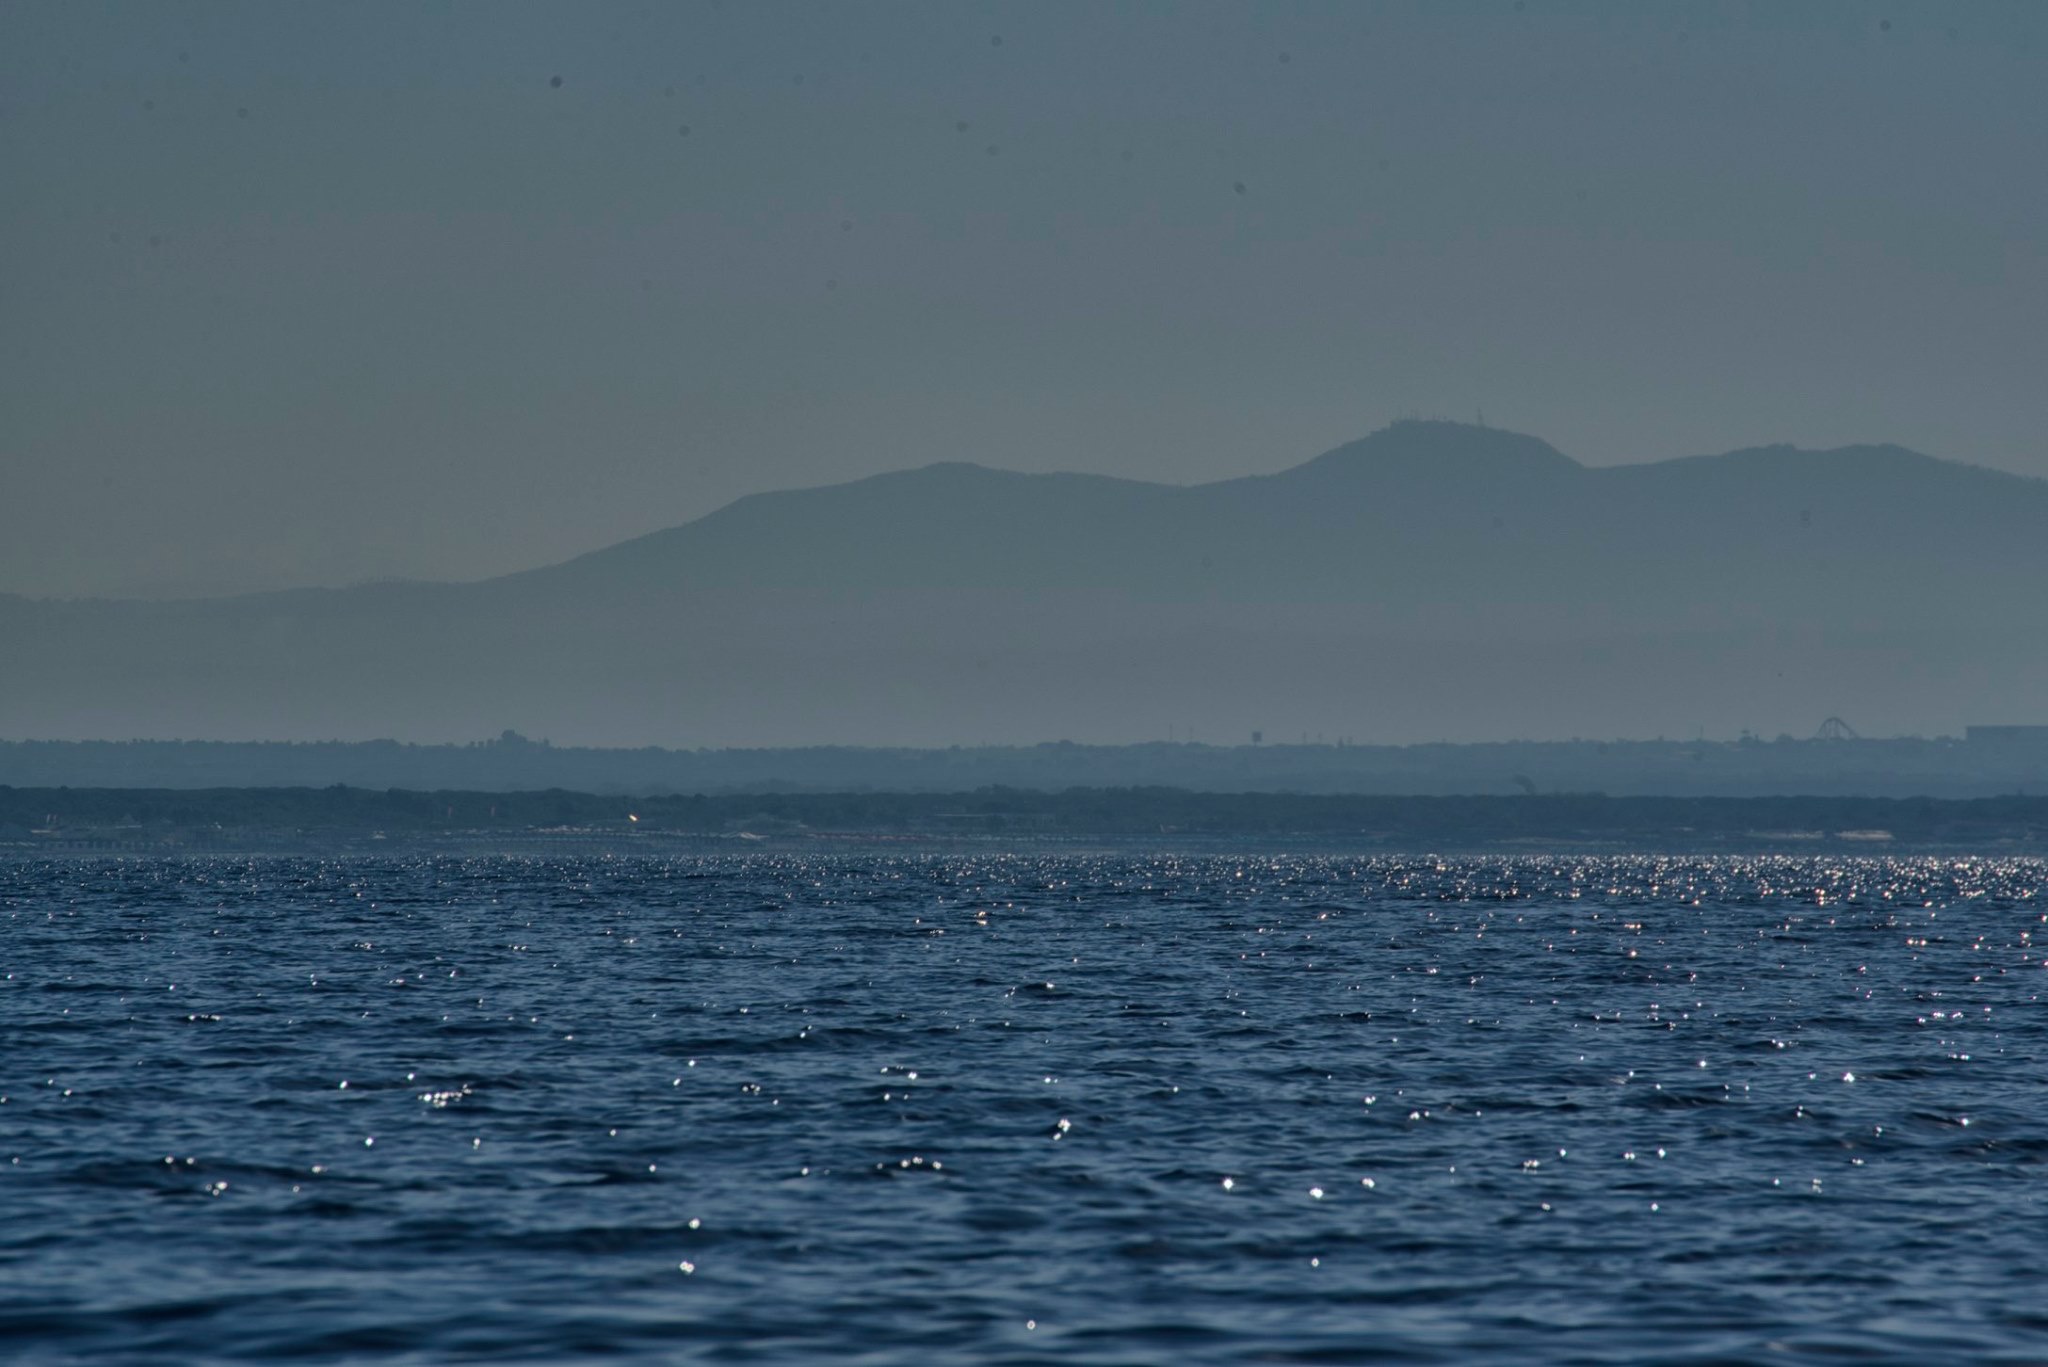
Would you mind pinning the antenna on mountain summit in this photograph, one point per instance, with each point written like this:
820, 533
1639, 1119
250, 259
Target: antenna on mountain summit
1480, 414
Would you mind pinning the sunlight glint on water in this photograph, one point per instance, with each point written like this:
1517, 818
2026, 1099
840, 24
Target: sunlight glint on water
1095, 1108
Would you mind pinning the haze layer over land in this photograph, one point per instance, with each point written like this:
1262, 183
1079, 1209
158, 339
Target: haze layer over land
1433, 581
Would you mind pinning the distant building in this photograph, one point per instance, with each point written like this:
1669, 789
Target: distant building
2030, 737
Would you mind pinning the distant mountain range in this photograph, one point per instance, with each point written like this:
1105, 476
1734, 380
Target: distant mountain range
1432, 580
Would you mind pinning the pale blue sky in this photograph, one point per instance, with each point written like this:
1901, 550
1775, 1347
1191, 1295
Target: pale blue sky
299, 294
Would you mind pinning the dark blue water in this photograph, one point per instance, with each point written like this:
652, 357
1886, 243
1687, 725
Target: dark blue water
1072, 1109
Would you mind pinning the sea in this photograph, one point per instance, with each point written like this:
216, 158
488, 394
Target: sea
1024, 1107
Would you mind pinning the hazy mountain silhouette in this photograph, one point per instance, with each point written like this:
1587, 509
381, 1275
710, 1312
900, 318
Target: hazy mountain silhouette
1434, 579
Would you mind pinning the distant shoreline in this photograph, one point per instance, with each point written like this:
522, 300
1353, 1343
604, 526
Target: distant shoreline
341, 820
1985, 762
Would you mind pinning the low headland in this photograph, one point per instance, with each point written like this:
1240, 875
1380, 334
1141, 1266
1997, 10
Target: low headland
1985, 761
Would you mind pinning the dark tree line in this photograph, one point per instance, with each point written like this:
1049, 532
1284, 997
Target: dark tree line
1979, 822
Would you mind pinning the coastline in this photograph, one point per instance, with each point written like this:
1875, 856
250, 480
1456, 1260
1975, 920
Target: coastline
37, 822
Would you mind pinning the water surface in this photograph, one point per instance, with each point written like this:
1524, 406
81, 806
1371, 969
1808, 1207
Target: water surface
1093, 1109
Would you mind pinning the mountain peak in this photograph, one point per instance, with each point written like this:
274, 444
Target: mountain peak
1435, 448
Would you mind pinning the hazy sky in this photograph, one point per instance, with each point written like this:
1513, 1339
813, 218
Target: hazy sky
298, 293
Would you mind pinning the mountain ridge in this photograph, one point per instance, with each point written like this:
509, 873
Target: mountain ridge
1498, 451
1430, 580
